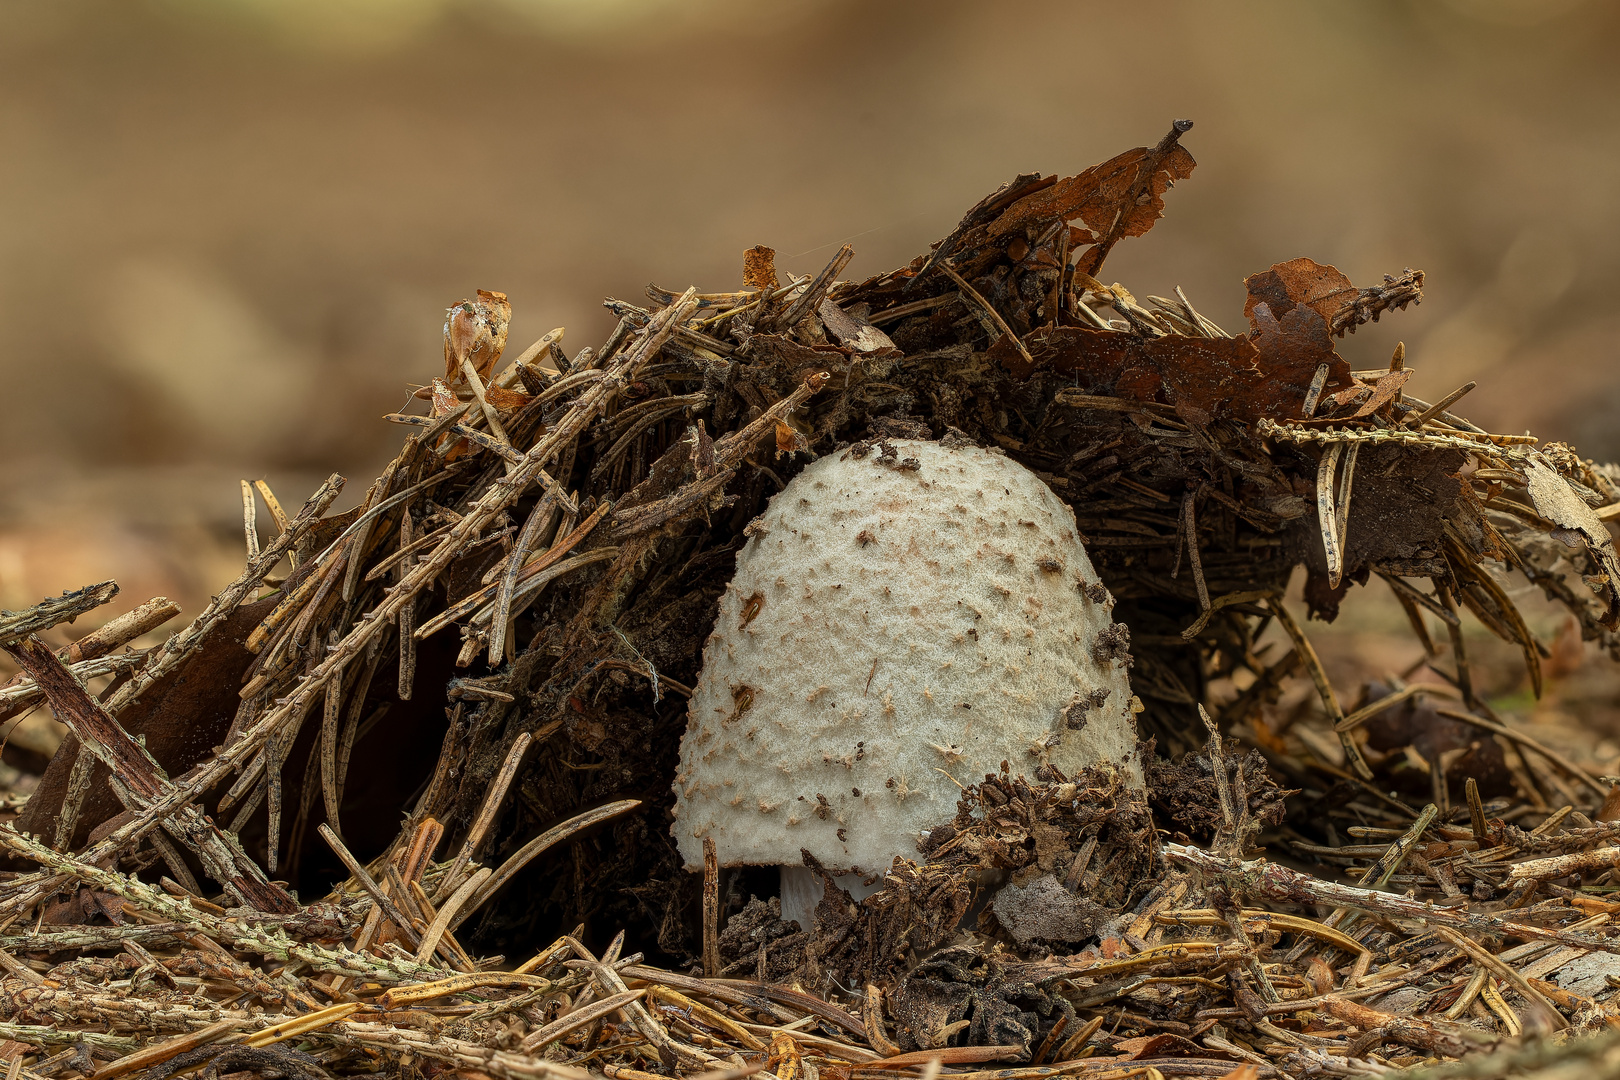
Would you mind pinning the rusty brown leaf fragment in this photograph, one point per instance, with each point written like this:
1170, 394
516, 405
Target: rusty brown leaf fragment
1122, 197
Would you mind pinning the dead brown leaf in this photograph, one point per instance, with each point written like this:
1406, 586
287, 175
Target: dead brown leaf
1298, 342
759, 268
1384, 391
475, 330
1122, 197
444, 398
853, 333
1318, 286
788, 440
502, 398
1226, 377
1577, 523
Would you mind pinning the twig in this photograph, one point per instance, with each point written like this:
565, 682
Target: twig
407, 619
1281, 885
331, 735
160, 1052
1439, 407
1558, 866
1389, 701
808, 300
490, 416
1341, 508
670, 1050
80, 774
1313, 393
538, 520
573, 1021
873, 1015
190, 639
997, 322
302, 1025
465, 1055
447, 914
709, 1016
22, 691
273, 504
1189, 525
472, 603
548, 839
1525, 740
250, 526
362, 536
48, 613
138, 780
120, 630
1327, 518
261, 938
1324, 689
487, 811
711, 909
1484, 957
396, 996
1410, 1031
369, 884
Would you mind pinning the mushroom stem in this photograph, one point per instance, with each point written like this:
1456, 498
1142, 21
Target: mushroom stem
802, 891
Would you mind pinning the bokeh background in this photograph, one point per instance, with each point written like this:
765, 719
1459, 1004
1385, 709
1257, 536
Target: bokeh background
229, 228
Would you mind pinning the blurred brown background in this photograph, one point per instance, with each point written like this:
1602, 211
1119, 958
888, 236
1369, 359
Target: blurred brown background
230, 228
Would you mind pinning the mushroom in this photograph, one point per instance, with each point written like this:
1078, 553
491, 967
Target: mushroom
902, 621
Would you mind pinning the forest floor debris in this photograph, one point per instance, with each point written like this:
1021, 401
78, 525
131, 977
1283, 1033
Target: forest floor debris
1434, 881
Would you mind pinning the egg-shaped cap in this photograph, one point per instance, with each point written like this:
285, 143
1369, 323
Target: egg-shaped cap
903, 618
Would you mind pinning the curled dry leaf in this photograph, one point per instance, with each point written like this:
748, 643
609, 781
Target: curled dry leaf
1299, 341
475, 330
444, 398
788, 440
1325, 290
502, 398
1267, 374
1290, 311
1121, 197
1099, 201
1385, 390
759, 268
1318, 286
1577, 522
853, 333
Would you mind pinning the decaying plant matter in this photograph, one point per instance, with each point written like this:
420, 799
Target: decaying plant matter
574, 519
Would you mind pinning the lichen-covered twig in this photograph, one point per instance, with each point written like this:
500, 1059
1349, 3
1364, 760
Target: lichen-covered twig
138, 779
254, 937
15, 625
188, 640
1276, 883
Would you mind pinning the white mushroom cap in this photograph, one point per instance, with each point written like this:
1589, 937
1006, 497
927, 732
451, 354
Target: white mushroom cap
897, 625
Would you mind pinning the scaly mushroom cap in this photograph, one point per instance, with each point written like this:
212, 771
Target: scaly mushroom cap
899, 623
